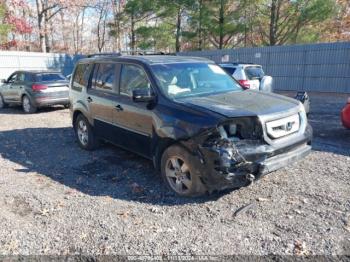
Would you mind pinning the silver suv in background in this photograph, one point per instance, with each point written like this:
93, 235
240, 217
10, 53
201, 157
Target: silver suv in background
34, 89
250, 76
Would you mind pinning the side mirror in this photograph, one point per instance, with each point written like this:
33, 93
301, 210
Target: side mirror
3, 81
142, 95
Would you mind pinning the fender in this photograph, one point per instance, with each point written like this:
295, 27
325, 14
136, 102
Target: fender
80, 107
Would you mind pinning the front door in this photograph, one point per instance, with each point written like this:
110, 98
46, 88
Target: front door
133, 118
8, 92
17, 87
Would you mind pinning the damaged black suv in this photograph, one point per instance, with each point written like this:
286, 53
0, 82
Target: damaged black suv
200, 128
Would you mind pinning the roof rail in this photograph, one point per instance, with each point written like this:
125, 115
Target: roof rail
104, 54
130, 52
144, 52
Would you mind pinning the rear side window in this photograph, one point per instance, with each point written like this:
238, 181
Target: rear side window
133, 77
254, 72
46, 77
229, 70
28, 77
104, 76
81, 76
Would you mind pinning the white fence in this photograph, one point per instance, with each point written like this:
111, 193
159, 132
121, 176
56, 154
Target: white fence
11, 61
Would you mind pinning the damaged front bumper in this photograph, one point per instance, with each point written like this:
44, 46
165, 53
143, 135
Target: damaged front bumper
233, 164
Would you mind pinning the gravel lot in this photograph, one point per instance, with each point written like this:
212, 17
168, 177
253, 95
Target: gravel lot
58, 199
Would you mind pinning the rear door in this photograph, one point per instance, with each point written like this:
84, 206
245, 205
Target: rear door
134, 119
100, 97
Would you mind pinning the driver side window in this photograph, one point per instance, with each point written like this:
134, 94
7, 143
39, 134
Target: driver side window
133, 77
12, 79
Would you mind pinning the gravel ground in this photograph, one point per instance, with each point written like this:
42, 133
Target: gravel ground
58, 199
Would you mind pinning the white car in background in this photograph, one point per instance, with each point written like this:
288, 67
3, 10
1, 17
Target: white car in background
250, 76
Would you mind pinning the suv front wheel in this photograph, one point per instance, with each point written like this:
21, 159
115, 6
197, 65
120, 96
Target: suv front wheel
179, 173
2, 102
84, 133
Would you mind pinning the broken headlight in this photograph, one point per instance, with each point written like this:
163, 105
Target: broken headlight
242, 128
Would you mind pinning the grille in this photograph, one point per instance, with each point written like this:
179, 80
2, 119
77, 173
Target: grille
283, 127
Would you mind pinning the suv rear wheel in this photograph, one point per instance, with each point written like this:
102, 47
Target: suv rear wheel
85, 135
179, 174
27, 105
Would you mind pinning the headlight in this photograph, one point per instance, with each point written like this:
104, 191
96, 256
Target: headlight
241, 128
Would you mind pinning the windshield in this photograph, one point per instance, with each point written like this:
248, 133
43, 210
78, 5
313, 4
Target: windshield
193, 79
49, 77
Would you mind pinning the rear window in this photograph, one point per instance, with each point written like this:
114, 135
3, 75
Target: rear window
254, 72
49, 77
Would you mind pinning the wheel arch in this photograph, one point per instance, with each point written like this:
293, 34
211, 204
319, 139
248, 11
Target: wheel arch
161, 145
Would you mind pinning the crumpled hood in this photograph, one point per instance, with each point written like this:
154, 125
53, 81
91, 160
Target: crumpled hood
245, 103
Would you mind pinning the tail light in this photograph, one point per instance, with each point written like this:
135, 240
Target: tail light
38, 87
244, 83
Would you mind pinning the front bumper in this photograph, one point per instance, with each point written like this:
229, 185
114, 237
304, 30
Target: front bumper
282, 160
221, 169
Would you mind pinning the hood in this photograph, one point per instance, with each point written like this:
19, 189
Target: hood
245, 103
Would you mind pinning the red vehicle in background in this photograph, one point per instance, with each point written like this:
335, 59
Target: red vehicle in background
345, 115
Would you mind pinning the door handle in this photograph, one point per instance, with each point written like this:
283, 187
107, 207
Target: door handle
119, 108
89, 99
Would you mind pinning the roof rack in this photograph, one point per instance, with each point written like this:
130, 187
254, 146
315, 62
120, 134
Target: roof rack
144, 52
130, 52
104, 54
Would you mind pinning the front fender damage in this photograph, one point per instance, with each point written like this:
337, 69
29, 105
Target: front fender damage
224, 162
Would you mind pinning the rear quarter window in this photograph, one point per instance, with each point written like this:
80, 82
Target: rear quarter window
81, 76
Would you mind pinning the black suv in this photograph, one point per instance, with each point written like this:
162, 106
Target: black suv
200, 128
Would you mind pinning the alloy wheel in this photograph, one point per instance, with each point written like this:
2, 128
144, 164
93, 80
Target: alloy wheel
83, 133
26, 104
178, 175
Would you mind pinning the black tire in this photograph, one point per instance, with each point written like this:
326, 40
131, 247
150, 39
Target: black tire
86, 137
174, 176
28, 106
2, 102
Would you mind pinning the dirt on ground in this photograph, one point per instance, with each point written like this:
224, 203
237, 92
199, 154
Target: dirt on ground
57, 199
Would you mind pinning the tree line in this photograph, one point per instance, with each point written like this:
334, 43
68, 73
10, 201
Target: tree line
85, 26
